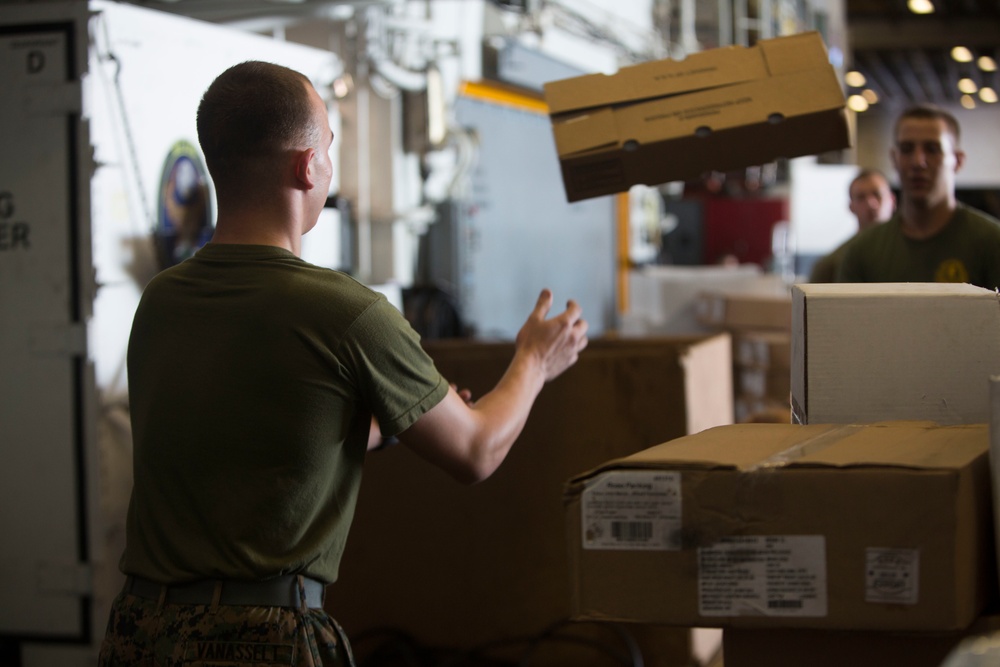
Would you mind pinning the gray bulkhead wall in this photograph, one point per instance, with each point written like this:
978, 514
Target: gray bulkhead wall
515, 233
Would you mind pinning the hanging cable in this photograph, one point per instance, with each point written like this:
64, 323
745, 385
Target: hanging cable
108, 56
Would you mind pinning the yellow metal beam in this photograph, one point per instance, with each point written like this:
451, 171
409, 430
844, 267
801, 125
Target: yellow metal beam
622, 210
499, 95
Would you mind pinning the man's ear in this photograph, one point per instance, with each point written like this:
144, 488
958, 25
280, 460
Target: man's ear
959, 159
303, 168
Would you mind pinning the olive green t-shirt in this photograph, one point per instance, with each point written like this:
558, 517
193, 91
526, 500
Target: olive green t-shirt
253, 377
967, 250
826, 267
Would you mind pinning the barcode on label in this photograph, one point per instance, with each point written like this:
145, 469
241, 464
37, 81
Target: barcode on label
632, 531
784, 604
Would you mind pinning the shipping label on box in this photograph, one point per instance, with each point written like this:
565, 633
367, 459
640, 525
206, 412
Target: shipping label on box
768, 575
632, 510
892, 575
880, 527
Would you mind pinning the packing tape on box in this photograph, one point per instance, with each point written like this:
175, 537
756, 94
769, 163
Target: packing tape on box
807, 447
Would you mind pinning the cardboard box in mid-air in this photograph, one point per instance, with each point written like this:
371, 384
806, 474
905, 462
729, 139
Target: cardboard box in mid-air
717, 110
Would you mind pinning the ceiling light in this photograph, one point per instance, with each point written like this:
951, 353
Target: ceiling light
870, 96
988, 95
854, 79
987, 64
960, 54
437, 128
342, 86
857, 103
967, 86
920, 6
968, 101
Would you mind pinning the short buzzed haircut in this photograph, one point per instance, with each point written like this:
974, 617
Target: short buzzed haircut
930, 112
250, 114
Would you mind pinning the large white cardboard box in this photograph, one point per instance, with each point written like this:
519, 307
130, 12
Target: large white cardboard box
893, 351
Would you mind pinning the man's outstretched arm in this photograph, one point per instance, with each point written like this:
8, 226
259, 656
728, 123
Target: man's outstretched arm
470, 441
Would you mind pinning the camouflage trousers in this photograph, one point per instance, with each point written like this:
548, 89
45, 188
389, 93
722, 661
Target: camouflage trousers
144, 633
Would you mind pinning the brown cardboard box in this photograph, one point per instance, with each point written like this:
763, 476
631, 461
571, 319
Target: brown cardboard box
843, 648
663, 299
754, 410
465, 567
764, 382
872, 352
721, 109
878, 527
763, 349
737, 312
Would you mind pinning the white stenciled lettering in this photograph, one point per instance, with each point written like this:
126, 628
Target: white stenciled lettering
239, 653
15, 236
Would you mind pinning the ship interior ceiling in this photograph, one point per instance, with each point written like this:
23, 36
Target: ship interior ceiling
908, 57
904, 56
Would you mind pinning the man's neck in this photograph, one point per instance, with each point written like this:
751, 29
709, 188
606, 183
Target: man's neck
258, 227
919, 221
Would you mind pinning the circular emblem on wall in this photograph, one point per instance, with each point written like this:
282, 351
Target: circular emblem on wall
185, 222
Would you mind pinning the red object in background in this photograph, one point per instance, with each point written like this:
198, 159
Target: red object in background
741, 228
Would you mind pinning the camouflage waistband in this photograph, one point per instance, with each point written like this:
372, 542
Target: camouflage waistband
144, 632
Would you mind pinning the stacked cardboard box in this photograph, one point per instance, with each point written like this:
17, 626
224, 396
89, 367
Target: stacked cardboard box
734, 311
763, 376
663, 300
833, 648
760, 326
863, 353
485, 567
875, 527
855, 536
873, 352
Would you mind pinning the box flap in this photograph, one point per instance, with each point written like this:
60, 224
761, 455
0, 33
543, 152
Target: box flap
587, 132
764, 101
735, 446
794, 53
706, 69
714, 68
918, 445
752, 447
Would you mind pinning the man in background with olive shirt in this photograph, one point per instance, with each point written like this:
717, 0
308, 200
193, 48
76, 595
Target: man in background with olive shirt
871, 201
932, 237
